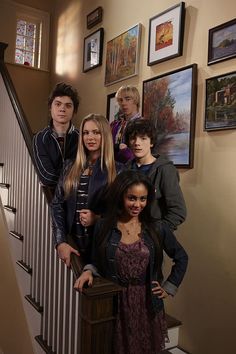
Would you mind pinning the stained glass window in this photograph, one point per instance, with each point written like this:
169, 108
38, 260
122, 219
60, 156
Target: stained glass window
26, 43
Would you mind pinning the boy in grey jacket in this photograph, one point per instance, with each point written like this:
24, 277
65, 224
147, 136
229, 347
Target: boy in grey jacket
169, 205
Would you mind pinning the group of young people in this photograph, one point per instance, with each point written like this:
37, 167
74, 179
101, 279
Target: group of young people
120, 204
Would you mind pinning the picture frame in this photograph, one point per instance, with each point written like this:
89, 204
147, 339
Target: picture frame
220, 107
122, 55
166, 34
93, 48
222, 42
94, 17
112, 107
169, 101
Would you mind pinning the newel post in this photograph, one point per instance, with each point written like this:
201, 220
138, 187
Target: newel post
98, 309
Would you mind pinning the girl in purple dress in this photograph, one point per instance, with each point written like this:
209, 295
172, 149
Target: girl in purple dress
128, 249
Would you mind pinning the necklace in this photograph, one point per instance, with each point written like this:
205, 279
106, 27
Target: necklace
130, 232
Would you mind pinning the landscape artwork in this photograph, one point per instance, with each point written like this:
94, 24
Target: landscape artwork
222, 42
164, 35
221, 102
122, 56
169, 101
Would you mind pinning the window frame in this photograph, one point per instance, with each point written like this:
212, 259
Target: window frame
42, 21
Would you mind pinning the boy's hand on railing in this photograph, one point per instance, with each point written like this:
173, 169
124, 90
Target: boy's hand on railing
64, 251
86, 277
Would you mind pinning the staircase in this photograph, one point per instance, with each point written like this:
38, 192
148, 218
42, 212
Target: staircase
56, 314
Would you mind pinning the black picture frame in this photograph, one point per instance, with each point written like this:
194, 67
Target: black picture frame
222, 42
112, 107
220, 108
166, 34
169, 101
93, 50
94, 17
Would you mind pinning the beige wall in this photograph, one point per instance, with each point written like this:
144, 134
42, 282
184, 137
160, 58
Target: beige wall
206, 301
14, 332
32, 87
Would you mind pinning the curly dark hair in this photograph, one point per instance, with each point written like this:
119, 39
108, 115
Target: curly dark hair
139, 127
62, 89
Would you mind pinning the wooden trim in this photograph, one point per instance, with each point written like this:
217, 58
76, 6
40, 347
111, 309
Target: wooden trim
43, 344
172, 322
16, 235
10, 208
24, 266
4, 185
35, 304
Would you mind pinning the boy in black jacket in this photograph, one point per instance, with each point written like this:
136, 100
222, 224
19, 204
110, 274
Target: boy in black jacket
57, 142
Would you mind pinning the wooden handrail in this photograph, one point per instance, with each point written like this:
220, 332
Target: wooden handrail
98, 304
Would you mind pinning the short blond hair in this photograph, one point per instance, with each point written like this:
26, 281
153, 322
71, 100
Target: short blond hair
131, 91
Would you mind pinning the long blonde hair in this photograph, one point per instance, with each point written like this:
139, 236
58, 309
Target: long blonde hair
107, 153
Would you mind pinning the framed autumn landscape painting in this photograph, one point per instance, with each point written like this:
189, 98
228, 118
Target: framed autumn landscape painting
122, 56
169, 101
166, 34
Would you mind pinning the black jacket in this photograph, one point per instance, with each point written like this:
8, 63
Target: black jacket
63, 209
168, 244
48, 155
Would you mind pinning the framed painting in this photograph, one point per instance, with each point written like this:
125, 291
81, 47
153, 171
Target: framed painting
169, 101
122, 56
220, 111
166, 34
222, 42
112, 107
94, 17
93, 46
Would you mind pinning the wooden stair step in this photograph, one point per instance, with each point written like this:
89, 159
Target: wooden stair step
24, 266
35, 304
9, 208
44, 345
17, 235
175, 350
172, 322
4, 185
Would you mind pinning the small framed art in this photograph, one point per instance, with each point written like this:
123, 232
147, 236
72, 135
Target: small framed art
122, 55
94, 17
169, 101
220, 111
166, 34
93, 47
222, 42
112, 107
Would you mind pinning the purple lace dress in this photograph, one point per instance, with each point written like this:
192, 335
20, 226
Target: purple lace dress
138, 330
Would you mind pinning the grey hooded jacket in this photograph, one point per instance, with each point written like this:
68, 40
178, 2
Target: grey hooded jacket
169, 205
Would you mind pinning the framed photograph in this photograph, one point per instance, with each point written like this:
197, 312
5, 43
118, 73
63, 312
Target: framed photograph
169, 101
122, 56
222, 42
166, 34
94, 17
112, 107
93, 46
220, 112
